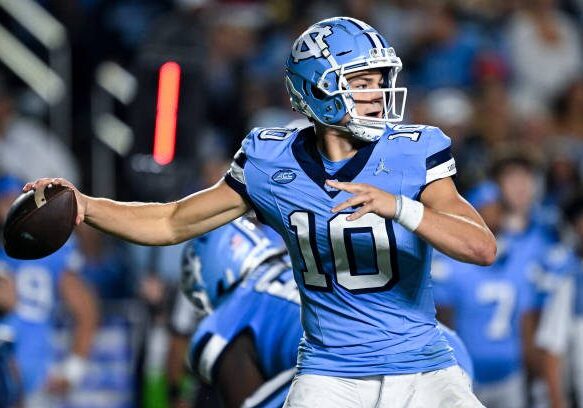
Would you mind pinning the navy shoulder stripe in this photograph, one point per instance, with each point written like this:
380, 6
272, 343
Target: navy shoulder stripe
240, 158
438, 158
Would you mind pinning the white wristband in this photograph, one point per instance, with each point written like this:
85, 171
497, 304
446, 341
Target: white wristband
73, 369
408, 213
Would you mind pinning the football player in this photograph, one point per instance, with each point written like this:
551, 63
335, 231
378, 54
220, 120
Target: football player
9, 378
237, 277
523, 220
10, 392
39, 284
495, 309
574, 213
561, 323
359, 200
485, 305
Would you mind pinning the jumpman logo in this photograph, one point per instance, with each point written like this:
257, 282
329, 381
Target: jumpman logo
381, 167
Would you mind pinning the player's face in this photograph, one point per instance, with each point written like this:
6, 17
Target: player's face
517, 185
492, 215
367, 103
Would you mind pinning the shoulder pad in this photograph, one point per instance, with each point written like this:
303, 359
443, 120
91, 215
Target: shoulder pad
429, 139
424, 134
268, 143
436, 140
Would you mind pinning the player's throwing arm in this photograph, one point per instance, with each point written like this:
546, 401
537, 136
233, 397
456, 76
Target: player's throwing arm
156, 223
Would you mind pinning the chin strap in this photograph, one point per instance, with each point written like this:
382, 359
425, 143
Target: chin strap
366, 133
357, 130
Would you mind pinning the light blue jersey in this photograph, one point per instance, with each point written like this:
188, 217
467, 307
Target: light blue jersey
559, 287
266, 305
37, 290
488, 302
367, 302
555, 264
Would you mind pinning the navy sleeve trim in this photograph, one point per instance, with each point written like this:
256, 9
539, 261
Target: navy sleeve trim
438, 158
239, 187
240, 158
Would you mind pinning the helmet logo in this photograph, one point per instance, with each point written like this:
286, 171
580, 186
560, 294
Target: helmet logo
311, 44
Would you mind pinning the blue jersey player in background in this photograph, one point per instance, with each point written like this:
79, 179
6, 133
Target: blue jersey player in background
10, 385
10, 392
40, 286
359, 201
561, 327
486, 305
493, 308
574, 215
236, 276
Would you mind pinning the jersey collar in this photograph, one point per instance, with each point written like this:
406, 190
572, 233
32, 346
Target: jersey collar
306, 153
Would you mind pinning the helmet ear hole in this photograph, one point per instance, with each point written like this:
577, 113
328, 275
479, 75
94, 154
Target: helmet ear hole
318, 94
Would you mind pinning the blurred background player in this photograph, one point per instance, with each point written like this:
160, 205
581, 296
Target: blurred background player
574, 216
40, 286
495, 309
526, 223
561, 322
10, 383
485, 305
237, 277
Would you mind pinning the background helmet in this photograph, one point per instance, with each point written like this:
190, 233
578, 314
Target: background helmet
316, 75
217, 261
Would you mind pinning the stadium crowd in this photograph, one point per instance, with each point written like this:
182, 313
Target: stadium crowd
503, 79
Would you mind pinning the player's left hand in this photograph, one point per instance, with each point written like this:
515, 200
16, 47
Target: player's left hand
369, 199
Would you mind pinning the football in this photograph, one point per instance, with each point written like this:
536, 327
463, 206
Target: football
39, 222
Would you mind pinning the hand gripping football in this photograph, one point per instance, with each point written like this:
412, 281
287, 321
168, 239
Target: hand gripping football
39, 222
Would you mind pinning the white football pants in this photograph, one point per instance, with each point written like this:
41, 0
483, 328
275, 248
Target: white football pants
446, 388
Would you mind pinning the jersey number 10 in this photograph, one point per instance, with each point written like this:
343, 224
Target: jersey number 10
339, 229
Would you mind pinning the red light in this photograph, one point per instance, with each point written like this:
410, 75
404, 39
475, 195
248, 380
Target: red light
166, 111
